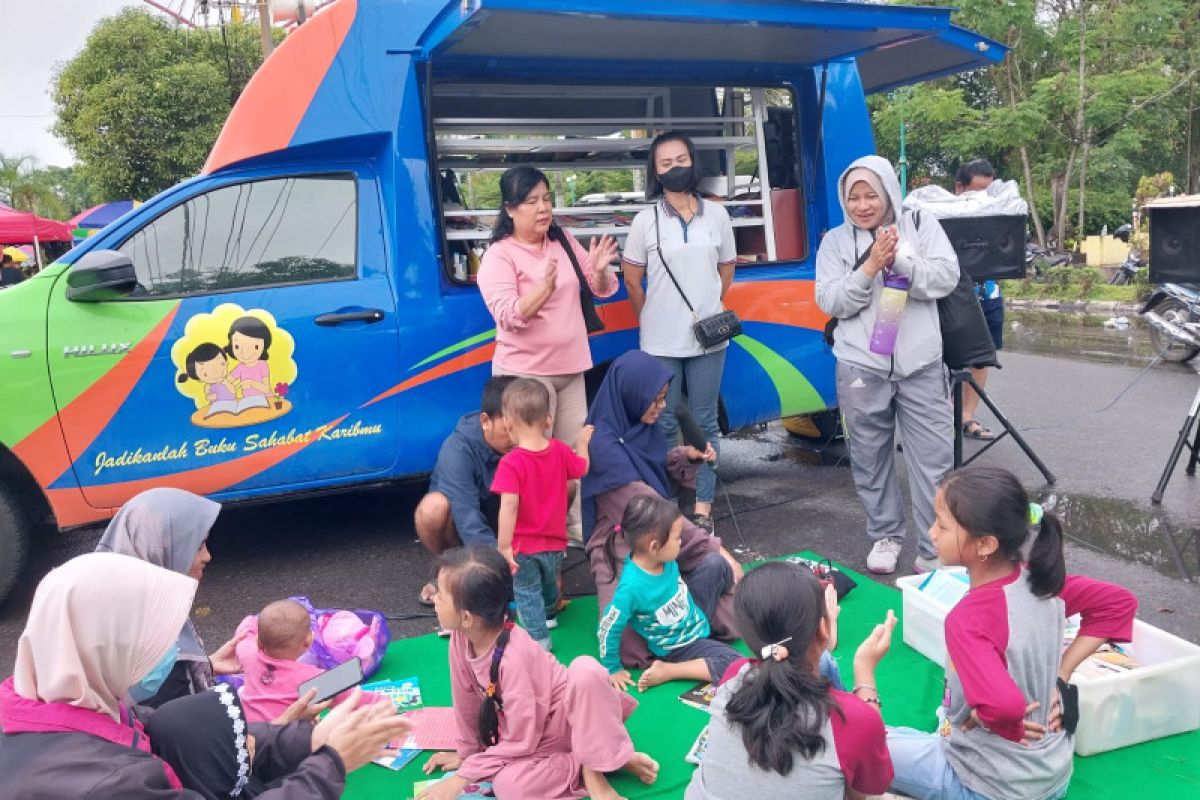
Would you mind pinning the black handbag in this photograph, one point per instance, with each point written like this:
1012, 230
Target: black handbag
710, 331
587, 300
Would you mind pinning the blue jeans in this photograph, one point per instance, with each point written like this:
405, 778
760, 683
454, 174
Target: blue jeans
535, 587
702, 374
921, 769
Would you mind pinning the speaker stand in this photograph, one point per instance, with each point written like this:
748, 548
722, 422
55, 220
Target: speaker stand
958, 379
1180, 443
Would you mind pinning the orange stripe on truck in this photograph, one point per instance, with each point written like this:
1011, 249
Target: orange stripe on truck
278, 96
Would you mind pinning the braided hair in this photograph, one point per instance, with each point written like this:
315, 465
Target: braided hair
480, 582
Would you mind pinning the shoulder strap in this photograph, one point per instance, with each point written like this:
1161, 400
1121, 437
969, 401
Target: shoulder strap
663, 259
560, 236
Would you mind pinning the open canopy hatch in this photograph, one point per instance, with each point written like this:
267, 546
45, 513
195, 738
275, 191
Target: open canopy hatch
744, 40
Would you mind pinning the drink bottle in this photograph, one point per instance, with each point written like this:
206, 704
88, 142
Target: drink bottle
887, 319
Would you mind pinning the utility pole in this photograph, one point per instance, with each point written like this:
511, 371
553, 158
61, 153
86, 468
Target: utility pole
264, 27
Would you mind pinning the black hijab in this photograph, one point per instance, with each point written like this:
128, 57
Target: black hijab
624, 449
203, 738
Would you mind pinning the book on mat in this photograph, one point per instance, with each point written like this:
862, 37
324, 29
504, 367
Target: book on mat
698, 747
405, 694
397, 759
236, 406
700, 696
480, 789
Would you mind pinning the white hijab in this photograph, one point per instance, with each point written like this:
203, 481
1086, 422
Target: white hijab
166, 528
98, 625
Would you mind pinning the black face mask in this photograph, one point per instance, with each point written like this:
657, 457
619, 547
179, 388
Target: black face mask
678, 179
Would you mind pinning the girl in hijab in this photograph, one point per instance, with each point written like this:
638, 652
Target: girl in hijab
169, 528
99, 624
889, 354
630, 458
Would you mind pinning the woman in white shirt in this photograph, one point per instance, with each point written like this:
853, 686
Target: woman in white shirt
693, 239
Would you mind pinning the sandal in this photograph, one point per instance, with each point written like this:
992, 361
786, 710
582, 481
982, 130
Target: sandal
704, 521
973, 430
425, 597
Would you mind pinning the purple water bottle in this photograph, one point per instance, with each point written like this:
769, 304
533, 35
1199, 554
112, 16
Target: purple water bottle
887, 319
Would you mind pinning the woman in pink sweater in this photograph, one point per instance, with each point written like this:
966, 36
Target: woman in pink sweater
532, 290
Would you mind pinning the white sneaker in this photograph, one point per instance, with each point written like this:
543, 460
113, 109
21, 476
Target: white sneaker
882, 558
924, 564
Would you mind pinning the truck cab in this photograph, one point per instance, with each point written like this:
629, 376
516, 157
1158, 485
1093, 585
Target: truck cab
302, 316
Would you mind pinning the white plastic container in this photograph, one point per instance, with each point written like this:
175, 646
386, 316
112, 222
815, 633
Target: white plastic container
1159, 698
924, 620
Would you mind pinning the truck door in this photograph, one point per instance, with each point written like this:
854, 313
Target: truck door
243, 360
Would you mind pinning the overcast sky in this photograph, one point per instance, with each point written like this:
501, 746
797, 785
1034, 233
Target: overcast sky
37, 35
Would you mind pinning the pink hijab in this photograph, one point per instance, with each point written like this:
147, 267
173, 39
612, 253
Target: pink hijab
98, 625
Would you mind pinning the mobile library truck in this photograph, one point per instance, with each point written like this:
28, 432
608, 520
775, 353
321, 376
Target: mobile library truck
302, 316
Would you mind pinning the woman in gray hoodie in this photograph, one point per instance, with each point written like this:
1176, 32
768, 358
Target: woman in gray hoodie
906, 388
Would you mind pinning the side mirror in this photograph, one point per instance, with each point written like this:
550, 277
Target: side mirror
101, 275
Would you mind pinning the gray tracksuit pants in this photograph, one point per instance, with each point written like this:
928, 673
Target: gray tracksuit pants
872, 407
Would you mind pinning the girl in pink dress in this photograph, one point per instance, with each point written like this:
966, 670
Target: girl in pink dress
249, 343
562, 728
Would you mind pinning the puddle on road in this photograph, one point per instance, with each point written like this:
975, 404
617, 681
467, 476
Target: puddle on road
1123, 529
1067, 333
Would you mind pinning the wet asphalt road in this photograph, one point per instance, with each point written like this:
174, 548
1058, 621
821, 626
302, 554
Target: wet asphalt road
359, 549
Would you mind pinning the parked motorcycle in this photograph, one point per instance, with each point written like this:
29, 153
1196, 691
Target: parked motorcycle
1037, 260
1127, 272
1173, 312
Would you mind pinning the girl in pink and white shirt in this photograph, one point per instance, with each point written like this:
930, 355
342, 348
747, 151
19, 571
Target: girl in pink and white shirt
1005, 667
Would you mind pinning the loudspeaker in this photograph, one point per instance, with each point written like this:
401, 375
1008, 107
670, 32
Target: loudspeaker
989, 248
1175, 244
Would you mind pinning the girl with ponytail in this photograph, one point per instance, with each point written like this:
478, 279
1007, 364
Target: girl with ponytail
1001, 736
779, 727
531, 726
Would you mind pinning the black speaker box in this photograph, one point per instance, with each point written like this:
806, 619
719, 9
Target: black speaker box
1175, 244
989, 248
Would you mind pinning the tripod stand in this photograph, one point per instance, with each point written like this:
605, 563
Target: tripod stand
1194, 446
961, 377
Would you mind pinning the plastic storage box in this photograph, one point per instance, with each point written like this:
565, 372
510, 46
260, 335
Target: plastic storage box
924, 620
1159, 698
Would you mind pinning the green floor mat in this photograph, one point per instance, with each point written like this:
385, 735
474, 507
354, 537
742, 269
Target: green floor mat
662, 726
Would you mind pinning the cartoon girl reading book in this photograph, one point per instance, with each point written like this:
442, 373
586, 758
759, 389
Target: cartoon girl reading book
249, 344
206, 364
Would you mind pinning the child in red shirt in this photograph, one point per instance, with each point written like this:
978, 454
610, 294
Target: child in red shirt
532, 481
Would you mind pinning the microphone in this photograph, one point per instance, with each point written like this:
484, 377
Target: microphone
689, 429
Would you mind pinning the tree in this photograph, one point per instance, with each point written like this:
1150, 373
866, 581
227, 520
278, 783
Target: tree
143, 102
26, 187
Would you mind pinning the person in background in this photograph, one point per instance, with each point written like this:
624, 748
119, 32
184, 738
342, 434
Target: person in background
976, 176
693, 238
460, 507
169, 528
904, 387
10, 273
1006, 669
532, 290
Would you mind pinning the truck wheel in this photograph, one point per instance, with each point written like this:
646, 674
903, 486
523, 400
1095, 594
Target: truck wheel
14, 540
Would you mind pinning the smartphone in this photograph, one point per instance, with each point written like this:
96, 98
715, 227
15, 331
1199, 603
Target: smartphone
334, 681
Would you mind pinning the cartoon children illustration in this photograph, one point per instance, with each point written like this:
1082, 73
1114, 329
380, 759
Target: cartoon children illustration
249, 343
206, 364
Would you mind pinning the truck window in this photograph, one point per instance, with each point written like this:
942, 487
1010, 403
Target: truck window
592, 143
261, 233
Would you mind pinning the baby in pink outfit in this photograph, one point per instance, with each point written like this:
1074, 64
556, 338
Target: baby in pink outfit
273, 675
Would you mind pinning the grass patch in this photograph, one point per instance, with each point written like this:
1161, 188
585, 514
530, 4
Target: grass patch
1073, 284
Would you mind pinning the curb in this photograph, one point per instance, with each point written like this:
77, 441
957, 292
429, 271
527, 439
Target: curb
1110, 308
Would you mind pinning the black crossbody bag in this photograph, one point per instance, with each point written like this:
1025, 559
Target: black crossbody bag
587, 300
710, 331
